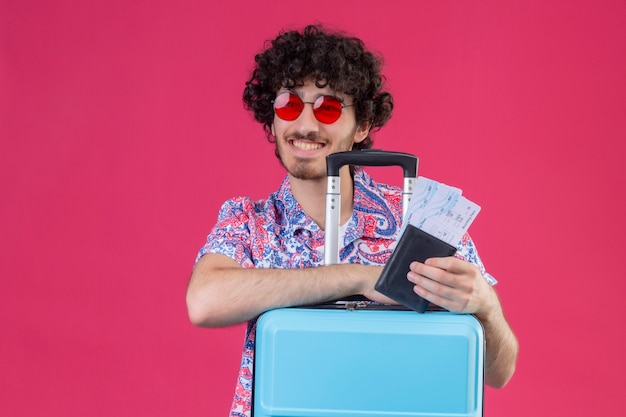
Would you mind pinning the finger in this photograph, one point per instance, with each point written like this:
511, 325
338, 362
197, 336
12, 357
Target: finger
449, 263
441, 287
430, 296
459, 273
432, 282
451, 304
431, 272
454, 297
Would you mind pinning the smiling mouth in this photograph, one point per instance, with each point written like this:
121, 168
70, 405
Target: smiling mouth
306, 145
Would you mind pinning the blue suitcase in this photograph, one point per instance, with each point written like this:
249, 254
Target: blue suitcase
338, 362
355, 359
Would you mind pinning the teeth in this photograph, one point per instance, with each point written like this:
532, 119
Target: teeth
306, 146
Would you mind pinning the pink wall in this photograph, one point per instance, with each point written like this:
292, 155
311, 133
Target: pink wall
122, 131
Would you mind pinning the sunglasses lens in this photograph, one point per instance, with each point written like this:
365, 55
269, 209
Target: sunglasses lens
288, 106
327, 109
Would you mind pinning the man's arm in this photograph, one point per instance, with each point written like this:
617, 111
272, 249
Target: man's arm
458, 286
222, 293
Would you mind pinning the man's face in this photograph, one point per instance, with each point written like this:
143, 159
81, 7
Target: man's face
304, 143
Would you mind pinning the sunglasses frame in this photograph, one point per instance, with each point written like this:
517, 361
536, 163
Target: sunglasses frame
318, 106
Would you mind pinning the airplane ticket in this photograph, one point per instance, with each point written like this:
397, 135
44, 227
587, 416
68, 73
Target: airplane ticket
440, 210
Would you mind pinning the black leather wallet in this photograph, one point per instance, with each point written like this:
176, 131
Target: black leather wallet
414, 245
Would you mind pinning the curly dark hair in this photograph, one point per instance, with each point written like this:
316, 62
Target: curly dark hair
331, 59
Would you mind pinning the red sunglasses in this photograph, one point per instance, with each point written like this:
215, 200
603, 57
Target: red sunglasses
327, 109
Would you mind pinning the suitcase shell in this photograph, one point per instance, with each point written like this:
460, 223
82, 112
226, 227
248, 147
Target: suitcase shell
337, 362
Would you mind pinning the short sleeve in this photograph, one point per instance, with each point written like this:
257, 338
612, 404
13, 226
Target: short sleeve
467, 250
231, 234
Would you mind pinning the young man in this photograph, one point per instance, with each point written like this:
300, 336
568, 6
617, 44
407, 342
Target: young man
317, 93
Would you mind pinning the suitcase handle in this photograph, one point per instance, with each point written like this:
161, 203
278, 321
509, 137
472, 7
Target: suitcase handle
333, 191
371, 157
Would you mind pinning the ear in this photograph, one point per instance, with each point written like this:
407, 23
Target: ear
361, 132
272, 130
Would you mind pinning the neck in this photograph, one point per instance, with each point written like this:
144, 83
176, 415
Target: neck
311, 195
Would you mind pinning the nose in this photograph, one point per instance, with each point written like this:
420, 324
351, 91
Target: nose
307, 123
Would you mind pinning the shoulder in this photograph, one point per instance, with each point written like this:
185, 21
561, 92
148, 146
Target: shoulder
466, 250
246, 213
240, 205
246, 208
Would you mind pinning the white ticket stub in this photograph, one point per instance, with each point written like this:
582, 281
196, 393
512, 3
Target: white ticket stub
440, 210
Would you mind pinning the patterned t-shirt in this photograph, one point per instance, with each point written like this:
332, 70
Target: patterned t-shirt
277, 233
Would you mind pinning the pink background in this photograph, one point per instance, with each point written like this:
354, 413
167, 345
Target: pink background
122, 131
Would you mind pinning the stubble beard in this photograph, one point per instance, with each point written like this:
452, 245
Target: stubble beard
300, 168
306, 168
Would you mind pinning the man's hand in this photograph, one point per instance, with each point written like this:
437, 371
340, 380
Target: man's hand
453, 284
